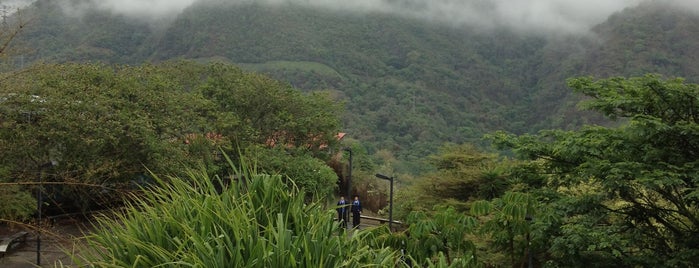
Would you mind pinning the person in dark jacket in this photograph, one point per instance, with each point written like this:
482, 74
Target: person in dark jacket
342, 212
356, 211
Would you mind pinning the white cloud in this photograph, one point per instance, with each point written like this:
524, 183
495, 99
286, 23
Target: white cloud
144, 8
555, 15
572, 16
688, 5
534, 16
14, 4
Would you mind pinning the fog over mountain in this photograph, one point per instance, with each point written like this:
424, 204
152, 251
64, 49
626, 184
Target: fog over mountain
14, 4
530, 16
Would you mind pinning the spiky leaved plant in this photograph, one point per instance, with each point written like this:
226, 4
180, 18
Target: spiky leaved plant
257, 221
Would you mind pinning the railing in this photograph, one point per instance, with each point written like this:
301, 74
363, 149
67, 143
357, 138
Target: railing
11, 242
380, 220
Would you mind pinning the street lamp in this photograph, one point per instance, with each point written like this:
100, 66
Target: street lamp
349, 183
38, 209
390, 208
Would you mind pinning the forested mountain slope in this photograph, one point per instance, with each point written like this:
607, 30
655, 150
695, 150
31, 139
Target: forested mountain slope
408, 85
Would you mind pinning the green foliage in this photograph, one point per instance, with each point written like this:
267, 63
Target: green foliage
443, 261
443, 234
587, 234
105, 125
312, 175
599, 200
473, 173
258, 221
17, 204
647, 39
463, 174
412, 85
507, 224
101, 124
84, 115
628, 192
403, 77
305, 66
272, 113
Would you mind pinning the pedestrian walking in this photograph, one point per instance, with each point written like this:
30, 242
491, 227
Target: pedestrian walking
356, 211
342, 210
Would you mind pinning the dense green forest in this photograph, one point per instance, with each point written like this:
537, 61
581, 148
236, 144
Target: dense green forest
509, 148
622, 196
408, 85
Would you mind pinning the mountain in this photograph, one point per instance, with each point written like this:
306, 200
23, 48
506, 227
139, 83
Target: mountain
408, 84
651, 38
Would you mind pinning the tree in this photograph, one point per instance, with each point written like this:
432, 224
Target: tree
626, 192
506, 227
16, 199
311, 175
444, 234
463, 174
103, 125
273, 113
108, 126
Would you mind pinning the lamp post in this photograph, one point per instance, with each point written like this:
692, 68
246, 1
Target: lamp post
349, 184
38, 209
390, 208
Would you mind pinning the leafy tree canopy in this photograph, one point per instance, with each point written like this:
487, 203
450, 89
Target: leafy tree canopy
463, 174
105, 125
629, 192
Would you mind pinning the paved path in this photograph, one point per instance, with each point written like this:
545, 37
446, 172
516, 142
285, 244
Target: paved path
54, 244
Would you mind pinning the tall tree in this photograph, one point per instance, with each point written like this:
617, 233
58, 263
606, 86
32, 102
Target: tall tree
463, 174
626, 192
106, 125
272, 112
102, 124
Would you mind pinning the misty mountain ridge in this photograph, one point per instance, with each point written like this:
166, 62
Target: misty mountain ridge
530, 16
409, 84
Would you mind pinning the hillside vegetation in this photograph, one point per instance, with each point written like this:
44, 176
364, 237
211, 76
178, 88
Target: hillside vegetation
409, 85
107, 128
611, 185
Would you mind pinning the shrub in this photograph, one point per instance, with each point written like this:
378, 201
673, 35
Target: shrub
258, 221
17, 204
316, 178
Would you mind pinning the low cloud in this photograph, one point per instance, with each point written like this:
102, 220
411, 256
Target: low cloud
533, 16
144, 8
10, 5
687, 5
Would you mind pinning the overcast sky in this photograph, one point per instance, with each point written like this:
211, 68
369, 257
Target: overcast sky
566, 16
